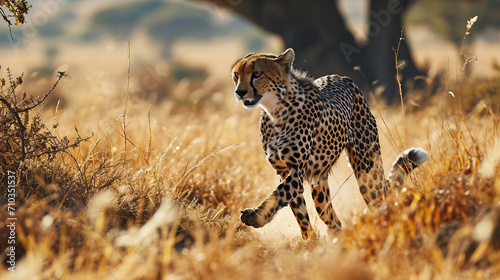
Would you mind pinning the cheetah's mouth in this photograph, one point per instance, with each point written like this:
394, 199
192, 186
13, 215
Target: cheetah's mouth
252, 103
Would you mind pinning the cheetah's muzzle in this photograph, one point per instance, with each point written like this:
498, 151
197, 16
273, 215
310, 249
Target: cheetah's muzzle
256, 99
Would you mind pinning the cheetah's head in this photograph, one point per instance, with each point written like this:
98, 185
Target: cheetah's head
260, 79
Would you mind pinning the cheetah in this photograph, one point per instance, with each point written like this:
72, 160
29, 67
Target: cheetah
305, 124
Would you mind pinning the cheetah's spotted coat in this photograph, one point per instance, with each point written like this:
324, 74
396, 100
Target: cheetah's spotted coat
305, 125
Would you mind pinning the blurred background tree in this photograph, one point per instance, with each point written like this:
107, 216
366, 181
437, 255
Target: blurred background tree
317, 31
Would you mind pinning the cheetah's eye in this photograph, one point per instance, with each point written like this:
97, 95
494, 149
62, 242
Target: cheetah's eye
236, 75
257, 74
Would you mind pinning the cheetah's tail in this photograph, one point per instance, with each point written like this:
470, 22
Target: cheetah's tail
405, 163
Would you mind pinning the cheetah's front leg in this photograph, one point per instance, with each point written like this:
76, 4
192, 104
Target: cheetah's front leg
287, 191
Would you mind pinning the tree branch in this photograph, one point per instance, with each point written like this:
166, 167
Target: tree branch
4, 16
40, 101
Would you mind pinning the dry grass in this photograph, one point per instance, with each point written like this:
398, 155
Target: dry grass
168, 207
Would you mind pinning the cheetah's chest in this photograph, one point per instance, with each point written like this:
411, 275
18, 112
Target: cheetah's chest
312, 130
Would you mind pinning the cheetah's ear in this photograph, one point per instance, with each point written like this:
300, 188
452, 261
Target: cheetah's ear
286, 59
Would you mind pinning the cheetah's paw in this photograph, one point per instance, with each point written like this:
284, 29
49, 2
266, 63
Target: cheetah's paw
251, 218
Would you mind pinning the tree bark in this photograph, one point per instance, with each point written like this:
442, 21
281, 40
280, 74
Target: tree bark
378, 63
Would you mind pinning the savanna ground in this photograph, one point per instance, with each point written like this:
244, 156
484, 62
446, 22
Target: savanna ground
150, 183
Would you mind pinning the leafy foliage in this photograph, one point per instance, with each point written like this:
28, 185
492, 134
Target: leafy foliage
17, 8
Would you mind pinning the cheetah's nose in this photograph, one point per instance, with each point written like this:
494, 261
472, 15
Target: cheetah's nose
241, 92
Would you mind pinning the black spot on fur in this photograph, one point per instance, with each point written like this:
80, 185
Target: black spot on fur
321, 197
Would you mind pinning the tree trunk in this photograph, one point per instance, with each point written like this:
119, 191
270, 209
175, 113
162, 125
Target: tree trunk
384, 35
